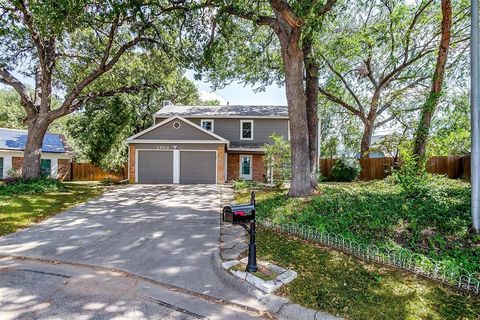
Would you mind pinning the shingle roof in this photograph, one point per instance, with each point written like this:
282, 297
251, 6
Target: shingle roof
223, 111
13, 139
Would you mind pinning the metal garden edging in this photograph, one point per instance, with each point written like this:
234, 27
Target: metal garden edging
416, 263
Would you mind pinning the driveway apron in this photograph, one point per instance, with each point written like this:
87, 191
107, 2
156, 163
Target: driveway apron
163, 232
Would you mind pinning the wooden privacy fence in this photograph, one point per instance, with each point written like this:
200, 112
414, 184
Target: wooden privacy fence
379, 168
90, 172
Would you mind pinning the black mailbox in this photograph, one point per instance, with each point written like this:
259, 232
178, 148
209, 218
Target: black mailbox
239, 214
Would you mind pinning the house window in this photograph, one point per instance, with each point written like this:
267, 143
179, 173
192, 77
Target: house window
246, 129
207, 124
1, 168
45, 167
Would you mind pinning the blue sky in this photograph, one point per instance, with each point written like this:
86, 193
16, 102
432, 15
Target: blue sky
236, 93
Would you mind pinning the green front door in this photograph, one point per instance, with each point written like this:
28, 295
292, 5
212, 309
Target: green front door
45, 167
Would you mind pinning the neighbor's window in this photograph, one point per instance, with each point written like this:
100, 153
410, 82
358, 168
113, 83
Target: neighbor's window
207, 124
45, 167
1, 168
246, 129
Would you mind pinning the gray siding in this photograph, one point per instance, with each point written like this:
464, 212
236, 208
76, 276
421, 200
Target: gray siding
168, 132
155, 167
262, 129
198, 167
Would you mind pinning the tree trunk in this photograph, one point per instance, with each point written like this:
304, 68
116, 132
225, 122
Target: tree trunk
311, 93
295, 92
33, 148
431, 103
366, 138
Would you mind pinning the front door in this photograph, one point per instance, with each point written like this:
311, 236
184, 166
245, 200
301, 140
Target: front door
246, 167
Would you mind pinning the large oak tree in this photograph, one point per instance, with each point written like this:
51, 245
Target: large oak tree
249, 39
68, 46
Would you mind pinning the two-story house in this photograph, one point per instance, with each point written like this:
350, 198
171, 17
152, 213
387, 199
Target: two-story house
205, 144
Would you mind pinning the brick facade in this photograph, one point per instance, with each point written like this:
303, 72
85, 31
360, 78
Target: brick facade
131, 150
221, 164
64, 170
258, 167
233, 166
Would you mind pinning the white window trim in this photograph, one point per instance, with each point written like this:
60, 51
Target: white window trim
288, 130
241, 129
208, 120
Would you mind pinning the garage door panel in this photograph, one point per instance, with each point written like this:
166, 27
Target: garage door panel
198, 167
155, 167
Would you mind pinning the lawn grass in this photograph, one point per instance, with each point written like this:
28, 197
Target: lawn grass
331, 281
437, 225
20, 211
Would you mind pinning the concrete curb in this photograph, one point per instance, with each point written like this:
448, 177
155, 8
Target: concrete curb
280, 307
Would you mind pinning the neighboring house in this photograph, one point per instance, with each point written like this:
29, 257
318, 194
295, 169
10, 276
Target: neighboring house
205, 144
56, 156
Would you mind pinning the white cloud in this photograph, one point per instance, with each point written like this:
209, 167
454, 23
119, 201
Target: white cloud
207, 95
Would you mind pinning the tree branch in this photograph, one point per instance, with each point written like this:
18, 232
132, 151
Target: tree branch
339, 101
326, 7
258, 20
345, 83
8, 79
72, 96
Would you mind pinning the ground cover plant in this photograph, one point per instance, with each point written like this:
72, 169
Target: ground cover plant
436, 224
15, 185
20, 210
342, 285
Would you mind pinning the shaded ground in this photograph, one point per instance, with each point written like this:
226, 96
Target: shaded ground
21, 211
163, 232
342, 285
33, 290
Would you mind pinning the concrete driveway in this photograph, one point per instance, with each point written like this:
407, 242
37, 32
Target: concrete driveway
162, 232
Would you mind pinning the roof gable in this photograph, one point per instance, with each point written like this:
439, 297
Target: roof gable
13, 139
176, 129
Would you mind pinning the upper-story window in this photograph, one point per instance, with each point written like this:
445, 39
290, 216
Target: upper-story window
246, 129
207, 124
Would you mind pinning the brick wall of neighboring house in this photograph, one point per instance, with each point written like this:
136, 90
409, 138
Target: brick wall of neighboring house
233, 163
221, 164
64, 169
258, 167
17, 163
131, 164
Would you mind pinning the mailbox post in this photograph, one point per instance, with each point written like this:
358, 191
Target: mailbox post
243, 215
252, 246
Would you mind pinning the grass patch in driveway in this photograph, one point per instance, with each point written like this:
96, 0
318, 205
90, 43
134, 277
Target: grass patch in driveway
21, 211
331, 281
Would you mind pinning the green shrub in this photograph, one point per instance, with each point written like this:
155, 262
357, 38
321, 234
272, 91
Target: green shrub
31, 186
278, 159
346, 170
244, 184
414, 179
